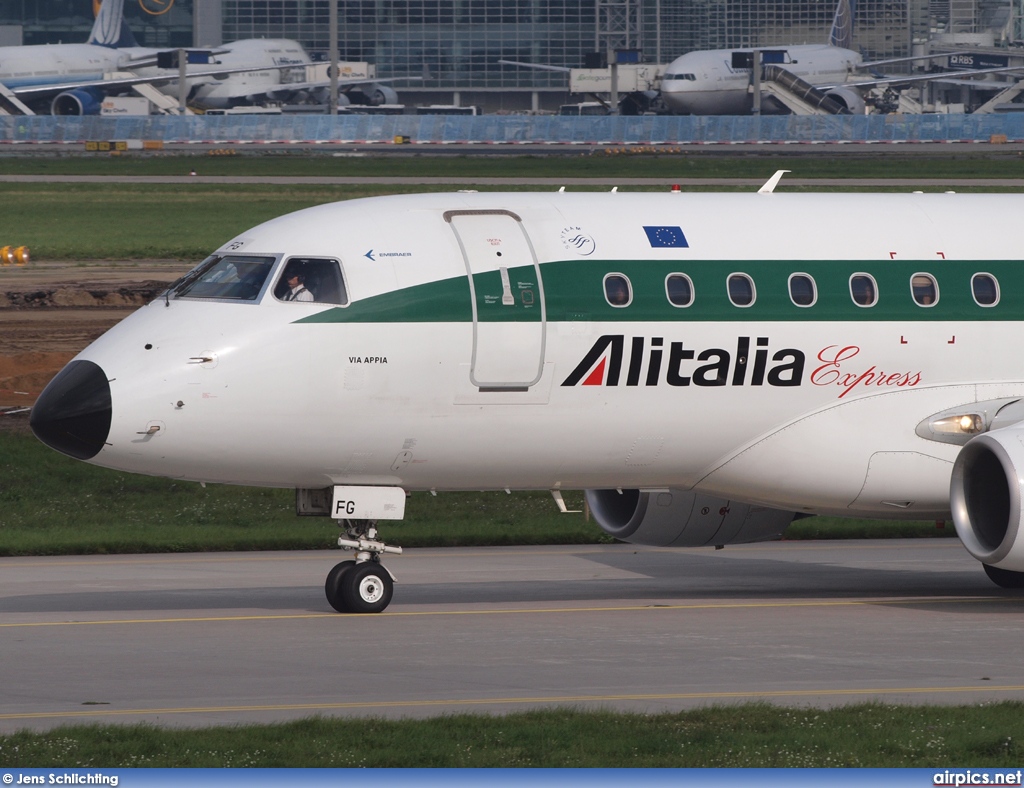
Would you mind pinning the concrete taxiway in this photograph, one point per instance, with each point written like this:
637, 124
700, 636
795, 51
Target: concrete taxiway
229, 638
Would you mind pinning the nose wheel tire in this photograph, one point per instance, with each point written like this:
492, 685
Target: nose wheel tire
367, 588
332, 588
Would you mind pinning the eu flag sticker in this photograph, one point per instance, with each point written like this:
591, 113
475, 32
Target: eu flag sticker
666, 237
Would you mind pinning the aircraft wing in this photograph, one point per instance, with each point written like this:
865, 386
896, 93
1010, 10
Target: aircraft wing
538, 66
971, 83
319, 85
150, 59
910, 79
113, 83
326, 83
911, 59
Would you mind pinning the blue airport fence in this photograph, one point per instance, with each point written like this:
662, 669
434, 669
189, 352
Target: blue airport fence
511, 129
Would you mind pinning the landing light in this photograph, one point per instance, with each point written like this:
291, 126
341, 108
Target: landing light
959, 425
967, 424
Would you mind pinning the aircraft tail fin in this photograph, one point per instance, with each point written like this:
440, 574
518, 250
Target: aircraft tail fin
842, 25
108, 29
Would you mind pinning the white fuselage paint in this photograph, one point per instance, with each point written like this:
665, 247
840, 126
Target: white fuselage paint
706, 83
230, 89
289, 404
47, 64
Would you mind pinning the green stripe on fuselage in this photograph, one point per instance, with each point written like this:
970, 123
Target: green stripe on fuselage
574, 291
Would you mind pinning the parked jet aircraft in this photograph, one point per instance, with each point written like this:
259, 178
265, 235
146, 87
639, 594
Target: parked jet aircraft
822, 76
702, 384
73, 79
719, 81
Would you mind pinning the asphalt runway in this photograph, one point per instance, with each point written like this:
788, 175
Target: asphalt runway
194, 640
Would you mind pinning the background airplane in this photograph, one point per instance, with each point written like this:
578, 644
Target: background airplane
795, 78
73, 79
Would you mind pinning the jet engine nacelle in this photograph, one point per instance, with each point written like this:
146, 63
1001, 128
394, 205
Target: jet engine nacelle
80, 101
678, 518
849, 98
985, 495
372, 95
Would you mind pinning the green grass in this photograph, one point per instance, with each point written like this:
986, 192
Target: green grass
118, 221
753, 735
53, 505
828, 162
854, 528
181, 222
187, 221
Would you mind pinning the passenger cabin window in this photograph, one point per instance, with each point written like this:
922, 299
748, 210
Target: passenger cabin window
863, 290
679, 288
617, 290
925, 289
227, 277
741, 290
312, 279
802, 290
985, 288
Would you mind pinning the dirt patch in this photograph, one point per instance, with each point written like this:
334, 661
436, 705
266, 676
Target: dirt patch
49, 313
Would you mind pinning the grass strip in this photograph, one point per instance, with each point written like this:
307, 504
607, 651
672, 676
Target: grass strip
185, 221
609, 162
752, 735
53, 505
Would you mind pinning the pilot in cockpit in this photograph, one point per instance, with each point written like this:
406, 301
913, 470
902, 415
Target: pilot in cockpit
297, 288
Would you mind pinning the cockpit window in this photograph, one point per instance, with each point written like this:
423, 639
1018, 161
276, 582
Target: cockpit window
231, 278
312, 279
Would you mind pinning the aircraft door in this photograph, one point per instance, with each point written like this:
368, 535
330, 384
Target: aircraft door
507, 298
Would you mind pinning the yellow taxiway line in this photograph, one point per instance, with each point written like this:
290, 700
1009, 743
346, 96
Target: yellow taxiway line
558, 699
881, 602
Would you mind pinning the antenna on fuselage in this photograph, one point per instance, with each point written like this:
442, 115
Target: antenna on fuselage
772, 182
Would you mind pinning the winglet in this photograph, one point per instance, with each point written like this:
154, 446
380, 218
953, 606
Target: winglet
772, 182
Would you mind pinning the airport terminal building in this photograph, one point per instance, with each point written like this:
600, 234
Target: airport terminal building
455, 45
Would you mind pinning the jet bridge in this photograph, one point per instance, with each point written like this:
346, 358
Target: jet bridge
798, 95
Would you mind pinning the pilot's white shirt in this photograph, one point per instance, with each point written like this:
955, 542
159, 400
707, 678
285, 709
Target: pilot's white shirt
299, 293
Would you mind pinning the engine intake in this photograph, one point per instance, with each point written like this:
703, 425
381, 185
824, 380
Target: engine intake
679, 518
80, 101
985, 495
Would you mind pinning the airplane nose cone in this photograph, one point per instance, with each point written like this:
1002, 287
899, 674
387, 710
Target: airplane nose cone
73, 413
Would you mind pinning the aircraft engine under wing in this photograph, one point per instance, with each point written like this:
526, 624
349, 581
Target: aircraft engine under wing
680, 518
849, 98
81, 101
986, 493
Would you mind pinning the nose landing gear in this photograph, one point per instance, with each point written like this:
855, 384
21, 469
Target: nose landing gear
362, 585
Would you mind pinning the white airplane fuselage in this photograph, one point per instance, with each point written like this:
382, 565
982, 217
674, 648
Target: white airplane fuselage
267, 55
800, 408
707, 83
704, 365
48, 64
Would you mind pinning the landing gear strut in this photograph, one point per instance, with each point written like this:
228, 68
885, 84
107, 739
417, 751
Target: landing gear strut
361, 585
